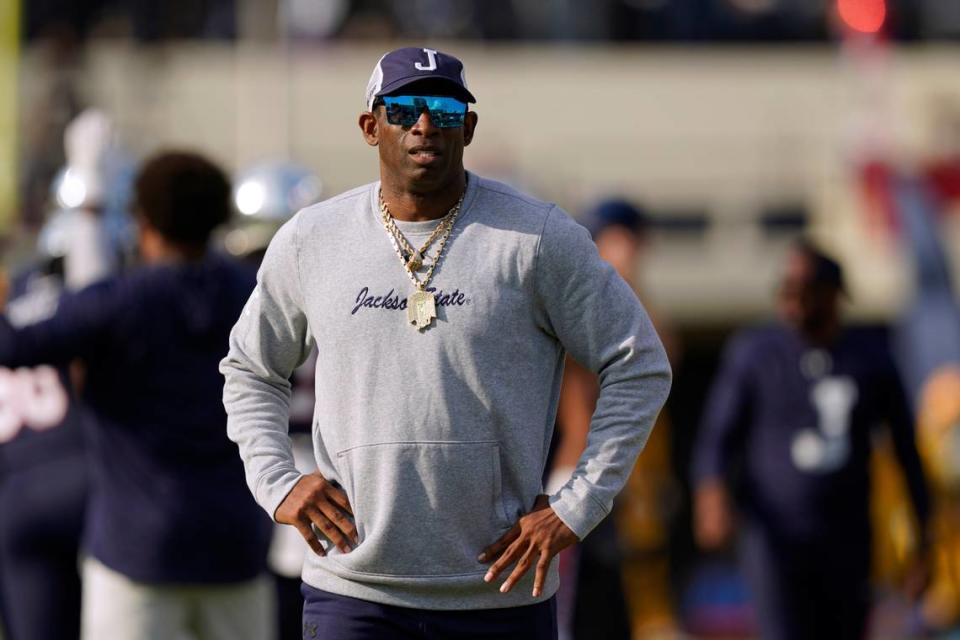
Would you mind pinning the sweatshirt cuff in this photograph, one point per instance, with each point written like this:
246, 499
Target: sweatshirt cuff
577, 508
706, 469
274, 489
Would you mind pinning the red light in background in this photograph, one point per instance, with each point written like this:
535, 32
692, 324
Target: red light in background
865, 16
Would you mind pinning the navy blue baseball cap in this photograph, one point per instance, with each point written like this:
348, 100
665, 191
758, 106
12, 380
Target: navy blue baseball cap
615, 212
401, 67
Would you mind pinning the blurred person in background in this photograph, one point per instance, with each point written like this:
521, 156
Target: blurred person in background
431, 439
94, 161
174, 544
267, 195
915, 204
789, 417
927, 341
928, 349
43, 462
616, 583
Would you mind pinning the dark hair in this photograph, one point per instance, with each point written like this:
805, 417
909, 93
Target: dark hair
825, 270
183, 196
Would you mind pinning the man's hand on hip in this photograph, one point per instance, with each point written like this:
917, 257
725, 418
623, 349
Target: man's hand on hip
314, 502
536, 537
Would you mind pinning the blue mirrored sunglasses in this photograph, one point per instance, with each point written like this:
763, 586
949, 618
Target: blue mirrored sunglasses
445, 112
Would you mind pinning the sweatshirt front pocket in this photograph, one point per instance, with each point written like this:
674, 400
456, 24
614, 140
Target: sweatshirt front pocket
423, 508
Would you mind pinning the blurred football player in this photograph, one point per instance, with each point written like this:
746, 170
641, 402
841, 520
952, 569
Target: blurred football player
174, 543
43, 480
88, 234
43, 463
793, 405
266, 195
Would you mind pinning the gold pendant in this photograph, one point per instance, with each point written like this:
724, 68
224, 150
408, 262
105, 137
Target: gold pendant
415, 261
421, 309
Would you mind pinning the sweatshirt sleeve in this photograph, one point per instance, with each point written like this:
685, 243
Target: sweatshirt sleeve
268, 342
75, 330
902, 433
725, 414
598, 319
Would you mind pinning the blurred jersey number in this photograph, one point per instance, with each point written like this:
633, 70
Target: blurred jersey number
827, 447
32, 398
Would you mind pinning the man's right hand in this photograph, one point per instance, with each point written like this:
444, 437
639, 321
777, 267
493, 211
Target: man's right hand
712, 515
315, 503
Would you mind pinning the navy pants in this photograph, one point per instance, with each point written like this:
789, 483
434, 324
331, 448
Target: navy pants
807, 593
42, 518
327, 616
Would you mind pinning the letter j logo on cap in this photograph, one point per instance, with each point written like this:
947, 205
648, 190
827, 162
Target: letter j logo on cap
431, 61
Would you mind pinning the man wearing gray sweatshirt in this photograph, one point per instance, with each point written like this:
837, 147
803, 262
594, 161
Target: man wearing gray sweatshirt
442, 305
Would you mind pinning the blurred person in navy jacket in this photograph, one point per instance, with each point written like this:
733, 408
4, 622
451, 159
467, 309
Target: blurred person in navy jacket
792, 409
174, 543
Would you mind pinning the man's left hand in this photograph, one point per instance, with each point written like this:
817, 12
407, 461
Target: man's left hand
536, 537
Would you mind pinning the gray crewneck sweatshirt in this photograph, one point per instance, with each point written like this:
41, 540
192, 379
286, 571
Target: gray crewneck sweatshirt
439, 437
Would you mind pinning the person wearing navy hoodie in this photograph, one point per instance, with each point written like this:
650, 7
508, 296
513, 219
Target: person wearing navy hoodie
793, 408
174, 543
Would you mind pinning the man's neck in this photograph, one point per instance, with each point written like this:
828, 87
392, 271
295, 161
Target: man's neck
821, 335
409, 204
167, 253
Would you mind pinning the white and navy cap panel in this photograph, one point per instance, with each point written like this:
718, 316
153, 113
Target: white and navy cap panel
401, 67
375, 83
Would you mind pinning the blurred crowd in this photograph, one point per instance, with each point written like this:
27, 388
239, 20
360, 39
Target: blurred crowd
598, 20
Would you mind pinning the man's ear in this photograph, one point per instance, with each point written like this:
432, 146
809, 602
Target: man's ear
469, 126
370, 128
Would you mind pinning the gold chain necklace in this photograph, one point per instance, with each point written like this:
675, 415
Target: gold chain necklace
421, 304
413, 258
